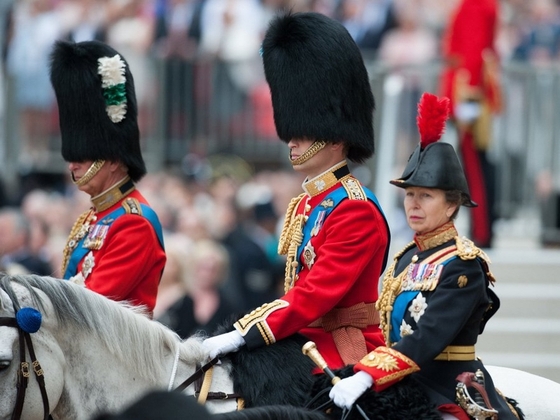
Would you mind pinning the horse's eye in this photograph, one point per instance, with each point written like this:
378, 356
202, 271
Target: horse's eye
4, 364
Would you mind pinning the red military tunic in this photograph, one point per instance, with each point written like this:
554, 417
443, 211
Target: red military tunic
124, 258
341, 257
471, 75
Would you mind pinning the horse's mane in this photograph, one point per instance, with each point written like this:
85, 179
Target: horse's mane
121, 327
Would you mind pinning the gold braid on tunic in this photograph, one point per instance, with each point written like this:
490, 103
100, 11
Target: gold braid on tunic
391, 289
79, 230
290, 240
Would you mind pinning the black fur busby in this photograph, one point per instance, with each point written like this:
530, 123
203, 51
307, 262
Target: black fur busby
319, 84
434, 164
88, 130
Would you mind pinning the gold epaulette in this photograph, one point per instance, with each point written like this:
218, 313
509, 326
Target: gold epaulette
467, 250
353, 188
132, 206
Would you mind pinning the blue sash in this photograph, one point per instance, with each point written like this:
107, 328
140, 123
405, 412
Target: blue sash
399, 308
336, 196
80, 251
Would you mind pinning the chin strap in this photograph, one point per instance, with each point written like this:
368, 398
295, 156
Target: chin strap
91, 172
309, 153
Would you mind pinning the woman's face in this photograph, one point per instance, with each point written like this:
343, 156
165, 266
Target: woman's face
426, 208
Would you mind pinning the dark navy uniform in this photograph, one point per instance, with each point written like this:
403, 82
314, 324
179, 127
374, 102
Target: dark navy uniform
435, 302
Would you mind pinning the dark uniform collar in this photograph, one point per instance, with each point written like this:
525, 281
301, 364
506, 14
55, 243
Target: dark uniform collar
113, 195
326, 180
436, 237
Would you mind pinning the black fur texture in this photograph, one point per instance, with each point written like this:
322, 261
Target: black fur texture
280, 374
319, 84
87, 131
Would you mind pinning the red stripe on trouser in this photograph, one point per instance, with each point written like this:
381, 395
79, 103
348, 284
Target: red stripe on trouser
480, 225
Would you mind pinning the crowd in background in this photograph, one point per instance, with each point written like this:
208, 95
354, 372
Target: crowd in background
220, 229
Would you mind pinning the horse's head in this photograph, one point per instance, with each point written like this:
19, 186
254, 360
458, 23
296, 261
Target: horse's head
12, 339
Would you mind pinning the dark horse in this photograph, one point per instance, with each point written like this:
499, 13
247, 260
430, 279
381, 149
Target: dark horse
282, 375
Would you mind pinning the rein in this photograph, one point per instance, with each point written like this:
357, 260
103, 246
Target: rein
23, 371
197, 374
197, 377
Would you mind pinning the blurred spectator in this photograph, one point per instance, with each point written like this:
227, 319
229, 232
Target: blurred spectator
83, 20
36, 26
540, 40
175, 282
253, 278
231, 35
367, 21
205, 306
407, 49
325, 7
15, 243
130, 29
176, 37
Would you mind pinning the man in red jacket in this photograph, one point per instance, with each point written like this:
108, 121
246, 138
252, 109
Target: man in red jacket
335, 235
470, 80
116, 247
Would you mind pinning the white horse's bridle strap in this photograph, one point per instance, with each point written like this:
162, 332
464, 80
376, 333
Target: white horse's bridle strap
174, 369
23, 371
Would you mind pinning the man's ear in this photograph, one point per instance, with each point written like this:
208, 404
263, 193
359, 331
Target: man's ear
337, 146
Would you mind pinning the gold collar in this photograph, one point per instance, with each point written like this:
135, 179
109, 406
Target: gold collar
111, 196
327, 179
436, 237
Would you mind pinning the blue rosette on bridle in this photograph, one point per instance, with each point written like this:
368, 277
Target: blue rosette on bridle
29, 319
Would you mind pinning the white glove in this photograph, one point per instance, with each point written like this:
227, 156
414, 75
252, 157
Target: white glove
467, 112
345, 392
223, 343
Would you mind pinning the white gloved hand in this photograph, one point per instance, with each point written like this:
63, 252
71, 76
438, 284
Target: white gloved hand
345, 392
223, 344
467, 112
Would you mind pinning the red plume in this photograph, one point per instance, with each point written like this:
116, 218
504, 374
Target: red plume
432, 114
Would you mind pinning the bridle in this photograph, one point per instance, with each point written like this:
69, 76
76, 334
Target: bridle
23, 370
23, 373
201, 391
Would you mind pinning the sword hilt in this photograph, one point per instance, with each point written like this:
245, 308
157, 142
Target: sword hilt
310, 350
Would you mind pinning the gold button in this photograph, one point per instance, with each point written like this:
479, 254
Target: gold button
414, 258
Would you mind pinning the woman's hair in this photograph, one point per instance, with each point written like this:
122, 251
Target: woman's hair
454, 197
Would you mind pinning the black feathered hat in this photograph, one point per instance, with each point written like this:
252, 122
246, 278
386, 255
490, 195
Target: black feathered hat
97, 105
319, 84
434, 164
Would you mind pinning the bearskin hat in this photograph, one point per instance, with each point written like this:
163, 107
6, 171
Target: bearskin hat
434, 164
97, 105
318, 81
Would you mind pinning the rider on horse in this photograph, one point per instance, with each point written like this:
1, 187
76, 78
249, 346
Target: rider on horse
116, 247
436, 297
335, 235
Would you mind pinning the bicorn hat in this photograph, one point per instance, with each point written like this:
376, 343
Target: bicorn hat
319, 84
97, 105
434, 164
